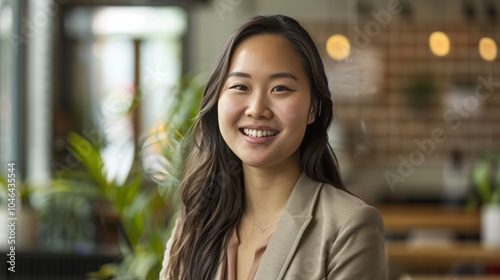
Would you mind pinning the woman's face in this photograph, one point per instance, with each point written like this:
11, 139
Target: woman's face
265, 104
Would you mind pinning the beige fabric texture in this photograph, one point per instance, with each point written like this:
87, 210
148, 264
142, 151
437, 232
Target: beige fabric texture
324, 233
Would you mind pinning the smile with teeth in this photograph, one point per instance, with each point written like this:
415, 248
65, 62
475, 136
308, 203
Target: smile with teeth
259, 133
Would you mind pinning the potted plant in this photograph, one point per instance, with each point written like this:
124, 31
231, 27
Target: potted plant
146, 208
142, 212
486, 179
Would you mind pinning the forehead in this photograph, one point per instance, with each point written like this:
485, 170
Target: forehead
266, 54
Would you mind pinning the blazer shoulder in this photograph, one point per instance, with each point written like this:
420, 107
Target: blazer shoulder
336, 206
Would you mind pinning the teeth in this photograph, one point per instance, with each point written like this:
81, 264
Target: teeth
259, 133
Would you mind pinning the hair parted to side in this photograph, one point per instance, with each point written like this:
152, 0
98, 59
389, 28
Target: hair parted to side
211, 187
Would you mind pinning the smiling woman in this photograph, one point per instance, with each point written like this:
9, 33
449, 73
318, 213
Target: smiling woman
261, 191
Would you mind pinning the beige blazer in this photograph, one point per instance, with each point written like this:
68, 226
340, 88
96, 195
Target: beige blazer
324, 233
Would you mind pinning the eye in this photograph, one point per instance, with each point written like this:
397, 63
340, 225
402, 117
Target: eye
280, 88
239, 87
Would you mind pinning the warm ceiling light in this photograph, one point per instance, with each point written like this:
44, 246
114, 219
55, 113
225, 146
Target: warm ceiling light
338, 47
439, 43
487, 49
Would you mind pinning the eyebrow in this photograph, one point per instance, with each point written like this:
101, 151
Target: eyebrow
273, 76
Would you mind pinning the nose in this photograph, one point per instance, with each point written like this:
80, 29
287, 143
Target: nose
258, 106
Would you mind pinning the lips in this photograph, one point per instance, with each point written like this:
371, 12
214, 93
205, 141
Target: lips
259, 133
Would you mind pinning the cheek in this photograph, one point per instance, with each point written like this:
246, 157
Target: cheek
293, 112
227, 110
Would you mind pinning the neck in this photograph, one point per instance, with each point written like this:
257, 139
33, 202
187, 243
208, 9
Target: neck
267, 190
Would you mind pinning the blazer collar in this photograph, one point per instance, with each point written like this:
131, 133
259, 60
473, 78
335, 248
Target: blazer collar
294, 221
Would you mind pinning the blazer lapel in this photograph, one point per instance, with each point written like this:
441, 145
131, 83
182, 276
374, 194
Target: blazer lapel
293, 223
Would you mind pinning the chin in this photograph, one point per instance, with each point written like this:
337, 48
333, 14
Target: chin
256, 163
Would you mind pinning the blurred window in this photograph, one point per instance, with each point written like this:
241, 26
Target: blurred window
124, 64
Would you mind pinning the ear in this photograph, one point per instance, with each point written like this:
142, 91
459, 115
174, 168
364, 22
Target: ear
312, 115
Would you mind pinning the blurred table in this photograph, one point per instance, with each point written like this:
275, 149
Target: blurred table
404, 218
441, 255
424, 239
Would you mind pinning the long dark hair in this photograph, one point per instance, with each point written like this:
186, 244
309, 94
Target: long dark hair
212, 180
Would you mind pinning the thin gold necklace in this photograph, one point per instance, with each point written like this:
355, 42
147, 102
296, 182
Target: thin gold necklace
262, 230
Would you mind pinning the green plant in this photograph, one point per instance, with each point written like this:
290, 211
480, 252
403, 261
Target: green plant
144, 210
23, 191
143, 214
4, 192
486, 180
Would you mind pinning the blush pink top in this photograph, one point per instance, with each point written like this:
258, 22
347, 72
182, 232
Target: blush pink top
232, 253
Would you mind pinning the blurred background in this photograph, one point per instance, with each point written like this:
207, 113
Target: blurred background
96, 95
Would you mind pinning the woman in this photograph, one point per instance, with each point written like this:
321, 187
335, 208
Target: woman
261, 191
